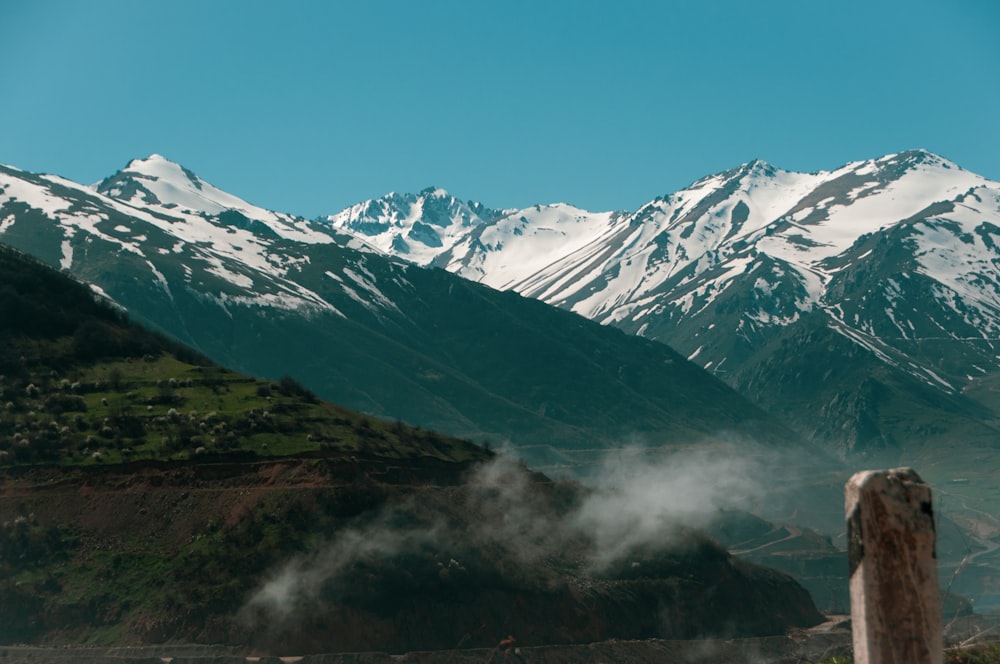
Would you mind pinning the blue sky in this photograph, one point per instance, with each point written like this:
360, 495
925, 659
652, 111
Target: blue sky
308, 107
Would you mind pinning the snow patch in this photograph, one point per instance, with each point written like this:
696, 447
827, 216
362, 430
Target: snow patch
66, 247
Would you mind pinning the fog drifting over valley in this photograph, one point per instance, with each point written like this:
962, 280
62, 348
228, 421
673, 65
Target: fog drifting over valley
640, 499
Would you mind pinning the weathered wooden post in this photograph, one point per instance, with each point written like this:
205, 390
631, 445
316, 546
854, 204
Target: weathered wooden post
895, 601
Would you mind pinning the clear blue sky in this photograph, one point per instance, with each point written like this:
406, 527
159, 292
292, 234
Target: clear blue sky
307, 107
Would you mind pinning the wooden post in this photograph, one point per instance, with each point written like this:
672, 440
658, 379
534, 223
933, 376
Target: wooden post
895, 600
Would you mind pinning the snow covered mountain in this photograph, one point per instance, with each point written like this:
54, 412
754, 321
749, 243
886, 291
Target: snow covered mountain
895, 257
435, 228
416, 226
241, 250
271, 294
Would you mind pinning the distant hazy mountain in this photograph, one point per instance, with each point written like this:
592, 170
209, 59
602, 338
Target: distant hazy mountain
271, 294
862, 305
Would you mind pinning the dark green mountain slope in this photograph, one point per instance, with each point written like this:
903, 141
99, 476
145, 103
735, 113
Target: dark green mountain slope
149, 496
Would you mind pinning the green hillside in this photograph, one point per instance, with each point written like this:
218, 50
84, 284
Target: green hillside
149, 496
81, 385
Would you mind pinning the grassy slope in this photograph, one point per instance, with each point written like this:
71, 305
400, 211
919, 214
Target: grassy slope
79, 384
160, 407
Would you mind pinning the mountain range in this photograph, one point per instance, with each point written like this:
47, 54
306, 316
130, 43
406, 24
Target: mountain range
853, 311
270, 294
860, 305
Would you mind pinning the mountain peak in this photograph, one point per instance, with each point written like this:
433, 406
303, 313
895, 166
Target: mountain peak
919, 153
755, 168
435, 192
759, 167
921, 156
915, 157
154, 157
152, 161
158, 167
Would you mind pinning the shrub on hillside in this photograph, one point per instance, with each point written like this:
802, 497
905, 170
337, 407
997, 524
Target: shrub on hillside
65, 403
293, 388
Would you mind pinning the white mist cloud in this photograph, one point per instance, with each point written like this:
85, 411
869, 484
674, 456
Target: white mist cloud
644, 497
298, 583
640, 498
514, 515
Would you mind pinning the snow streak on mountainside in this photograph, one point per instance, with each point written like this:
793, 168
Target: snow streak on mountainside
524, 242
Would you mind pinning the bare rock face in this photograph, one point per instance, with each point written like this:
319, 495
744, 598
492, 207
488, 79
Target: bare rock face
895, 602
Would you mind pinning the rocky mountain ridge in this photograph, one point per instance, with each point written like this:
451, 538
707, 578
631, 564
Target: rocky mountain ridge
895, 257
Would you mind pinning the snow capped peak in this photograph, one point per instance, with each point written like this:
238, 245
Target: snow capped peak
158, 181
755, 172
417, 226
929, 159
164, 186
741, 176
916, 155
156, 166
758, 167
899, 164
154, 159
